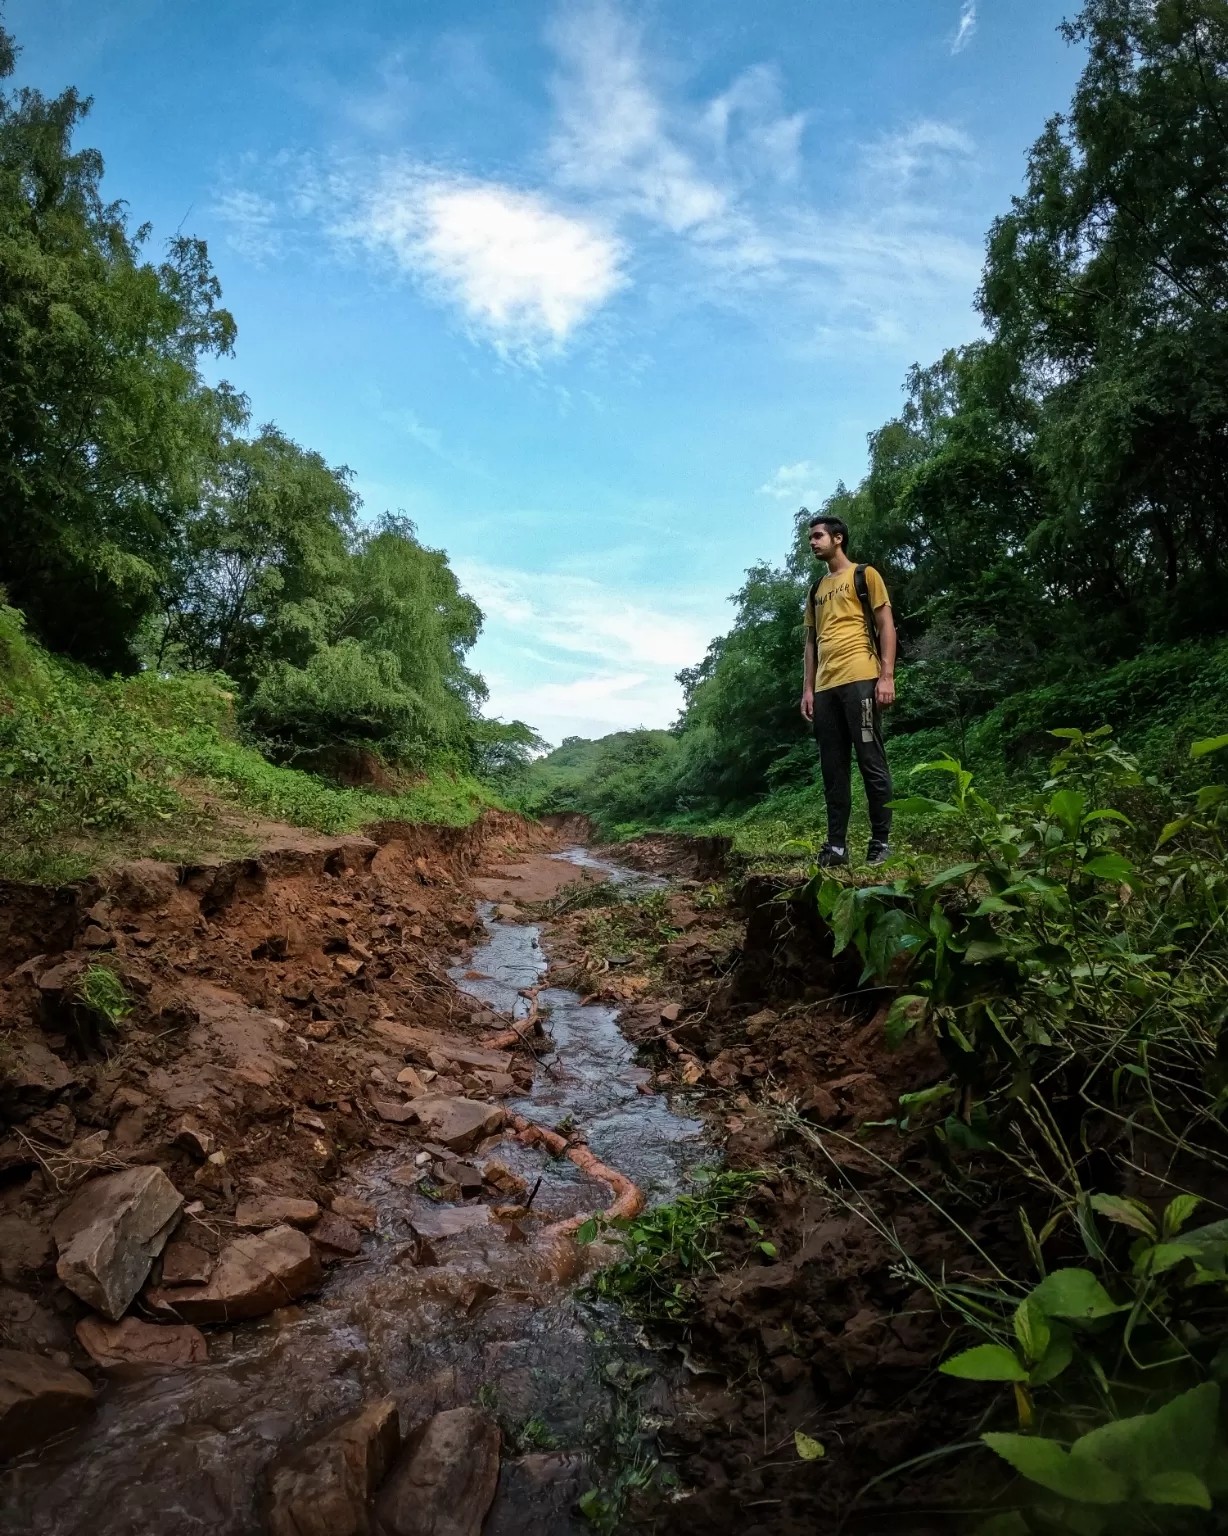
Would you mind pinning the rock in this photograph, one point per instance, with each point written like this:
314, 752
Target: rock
110, 1233
458, 1124
537, 1493
275, 1211
186, 1264
144, 883
135, 1343
95, 937
194, 1138
372, 1441
308, 1120
350, 965
253, 1276
497, 1082
24, 1248
38, 1399
317, 1495
32, 1077
670, 1012
324, 1489
447, 1220
357, 1211
393, 1111
465, 1176
335, 1237
499, 1176
447, 1484
411, 1082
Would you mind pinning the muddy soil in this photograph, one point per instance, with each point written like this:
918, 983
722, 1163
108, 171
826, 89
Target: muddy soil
287, 1010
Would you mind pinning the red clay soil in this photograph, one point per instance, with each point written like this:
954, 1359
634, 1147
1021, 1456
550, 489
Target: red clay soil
274, 998
834, 1336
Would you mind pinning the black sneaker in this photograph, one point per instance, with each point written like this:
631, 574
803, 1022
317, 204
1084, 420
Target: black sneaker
831, 854
878, 853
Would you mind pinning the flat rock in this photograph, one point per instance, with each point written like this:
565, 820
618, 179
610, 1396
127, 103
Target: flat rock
185, 1264
110, 1233
132, 1342
411, 1082
38, 1399
33, 1075
447, 1220
335, 1237
393, 1111
458, 1124
358, 1211
253, 1276
445, 1486
264, 1211
499, 1176
323, 1490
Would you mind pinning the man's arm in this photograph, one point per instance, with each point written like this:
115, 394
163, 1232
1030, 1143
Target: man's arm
884, 694
810, 666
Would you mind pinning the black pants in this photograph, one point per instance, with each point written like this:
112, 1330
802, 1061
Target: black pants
846, 719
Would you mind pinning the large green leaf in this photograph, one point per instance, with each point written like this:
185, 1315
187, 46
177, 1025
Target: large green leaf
906, 1012
921, 805
1208, 744
980, 951
985, 1362
1128, 1213
955, 875
1109, 866
1175, 1488
1031, 1325
1180, 1436
1075, 1294
1066, 807
1080, 1479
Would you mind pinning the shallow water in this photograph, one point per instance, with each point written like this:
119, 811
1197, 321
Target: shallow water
185, 1451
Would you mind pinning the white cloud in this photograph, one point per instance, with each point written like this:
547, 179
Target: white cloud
523, 273
923, 146
254, 222
967, 26
793, 482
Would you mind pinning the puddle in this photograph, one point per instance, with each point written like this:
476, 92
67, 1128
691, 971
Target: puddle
492, 1321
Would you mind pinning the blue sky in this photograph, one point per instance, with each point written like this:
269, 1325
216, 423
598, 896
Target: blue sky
597, 293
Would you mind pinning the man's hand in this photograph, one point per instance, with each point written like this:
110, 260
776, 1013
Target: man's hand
884, 693
808, 704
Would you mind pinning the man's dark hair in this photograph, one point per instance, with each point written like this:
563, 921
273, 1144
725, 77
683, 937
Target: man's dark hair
836, 526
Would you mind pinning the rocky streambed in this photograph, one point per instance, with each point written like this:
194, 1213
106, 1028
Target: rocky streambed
247, 1351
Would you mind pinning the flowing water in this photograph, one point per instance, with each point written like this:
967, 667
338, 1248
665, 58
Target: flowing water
492, 1321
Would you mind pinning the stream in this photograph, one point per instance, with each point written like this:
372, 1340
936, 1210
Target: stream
492, 1321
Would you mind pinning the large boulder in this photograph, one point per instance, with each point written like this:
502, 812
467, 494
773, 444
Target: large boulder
252, 1276
38, 1399
110, 1233
446, 1484
135, 1343
458, 1124
324, 1489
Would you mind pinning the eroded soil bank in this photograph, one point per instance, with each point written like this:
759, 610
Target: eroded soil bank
381, 1112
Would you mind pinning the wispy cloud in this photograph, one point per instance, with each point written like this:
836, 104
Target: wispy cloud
793, 482
966, 28
701, 200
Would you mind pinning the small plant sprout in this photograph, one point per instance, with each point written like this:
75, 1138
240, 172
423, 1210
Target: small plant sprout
101, 991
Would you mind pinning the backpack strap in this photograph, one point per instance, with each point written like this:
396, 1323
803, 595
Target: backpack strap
862, 587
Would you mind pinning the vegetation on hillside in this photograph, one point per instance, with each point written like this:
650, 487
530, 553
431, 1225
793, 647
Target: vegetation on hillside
200, 598
1049, 506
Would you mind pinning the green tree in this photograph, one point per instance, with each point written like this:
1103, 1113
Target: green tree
106, 429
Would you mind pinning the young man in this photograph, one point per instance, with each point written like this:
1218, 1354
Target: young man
847, 681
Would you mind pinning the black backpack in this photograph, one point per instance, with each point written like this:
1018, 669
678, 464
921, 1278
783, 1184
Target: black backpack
862, 588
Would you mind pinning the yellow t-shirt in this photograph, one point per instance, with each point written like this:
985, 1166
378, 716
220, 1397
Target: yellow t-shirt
845, 652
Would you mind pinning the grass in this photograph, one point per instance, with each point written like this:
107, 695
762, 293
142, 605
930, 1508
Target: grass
95, 769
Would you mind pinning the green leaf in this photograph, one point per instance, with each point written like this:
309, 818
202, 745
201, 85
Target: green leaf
906, 1012
956, 872
1106, 816
808, 1449
1011, 1523
1175, 1488
1066, 808
1128, 1213
944, 764
1054, 1361
926, 1096
1075, 1294
985, 1362
1173, 827
1208, 744
1083, 1480
1180, 1436
1109, 866
768, 1248
1160, 1257
921, 805
1031, 1329
982, 950
588, 1232
1177, 1212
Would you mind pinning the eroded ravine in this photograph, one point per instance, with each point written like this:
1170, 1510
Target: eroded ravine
473, 1317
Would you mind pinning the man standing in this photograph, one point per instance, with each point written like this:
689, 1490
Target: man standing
849, 676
